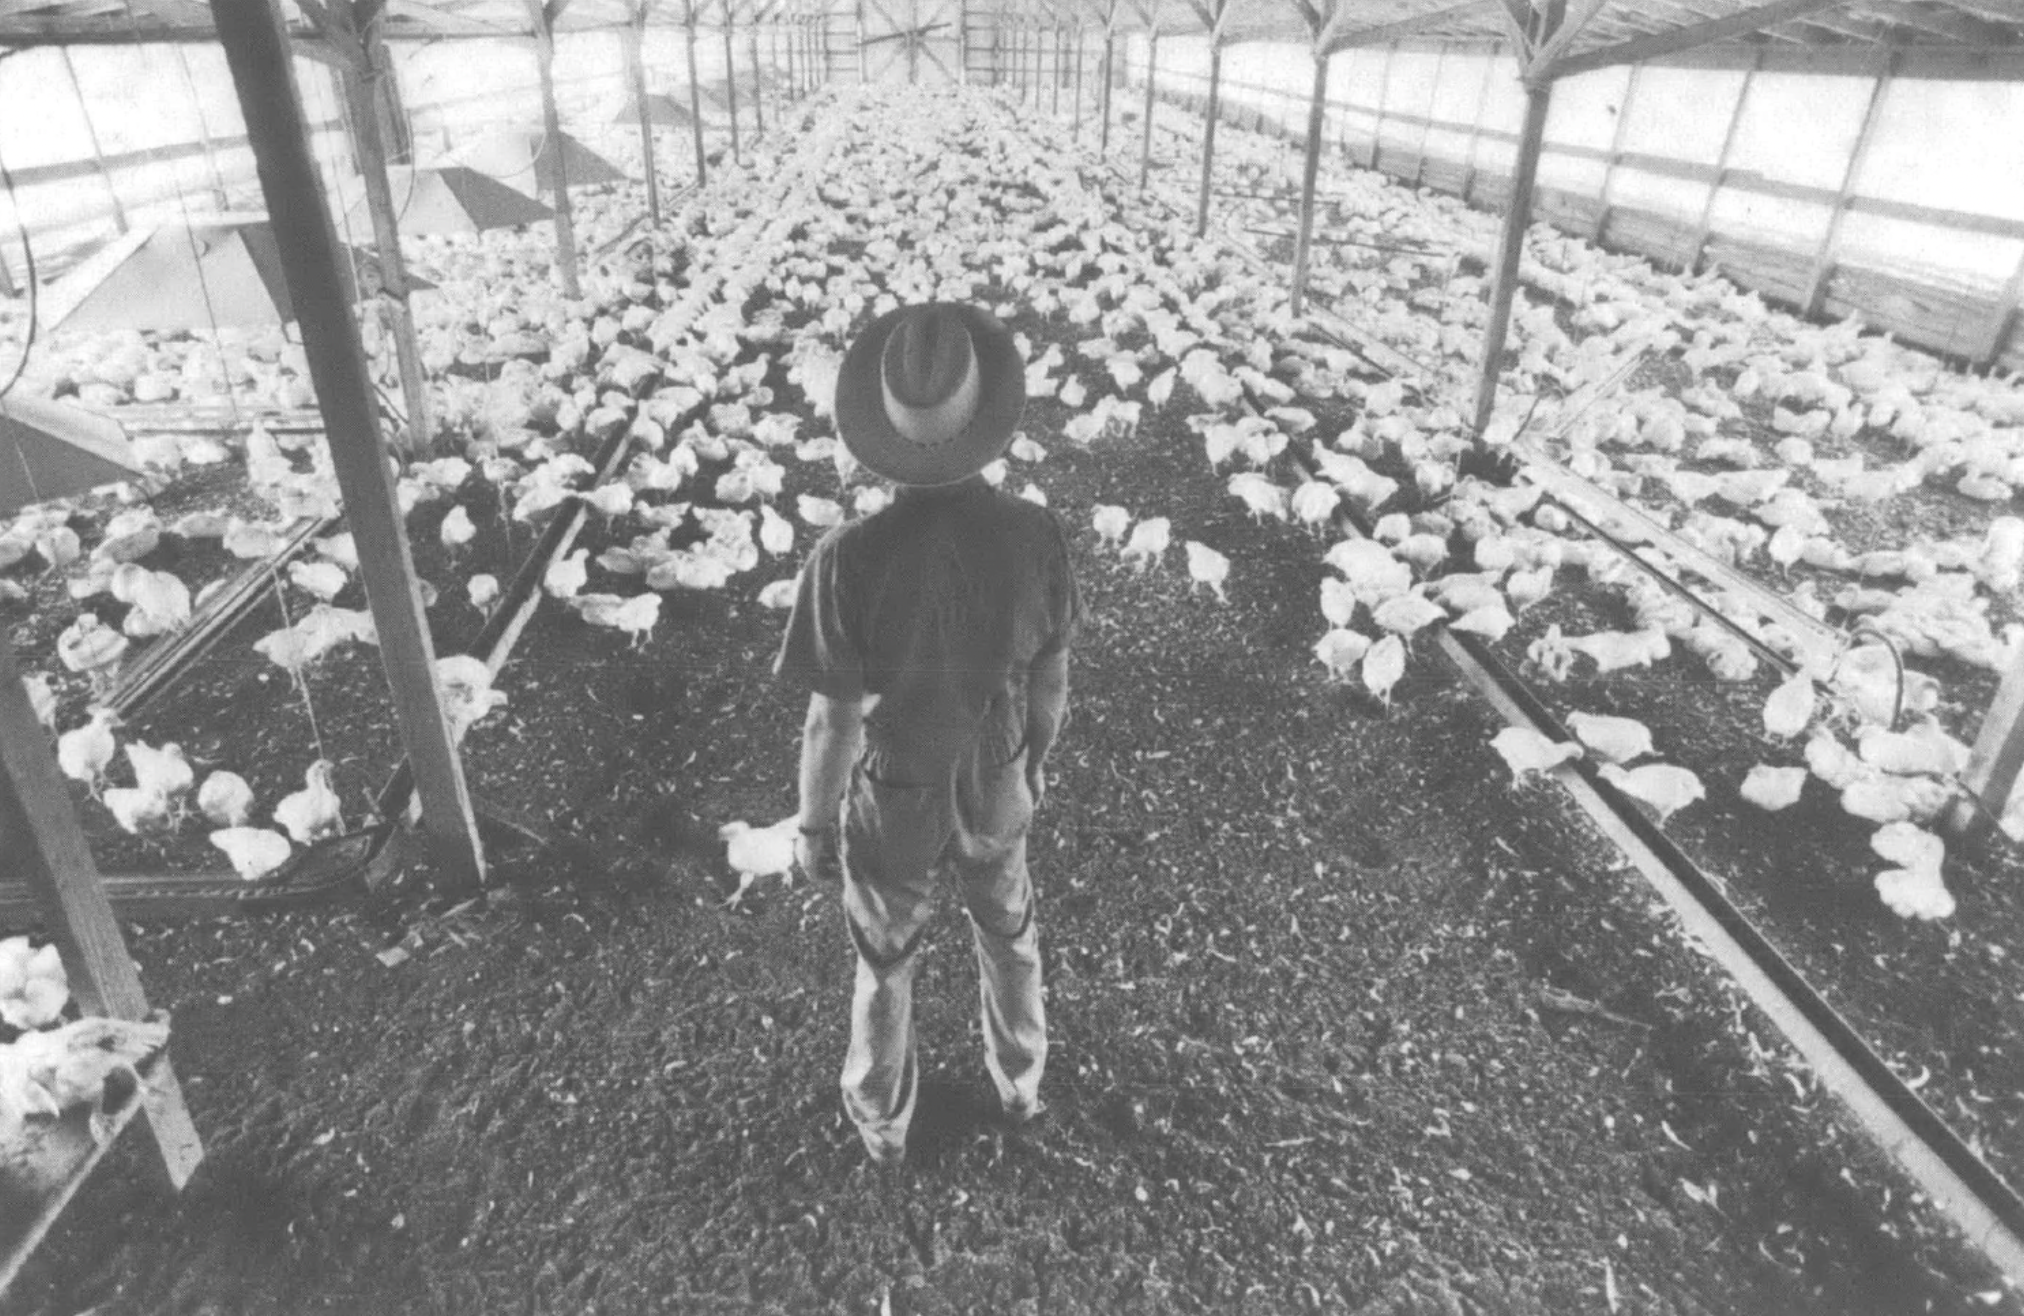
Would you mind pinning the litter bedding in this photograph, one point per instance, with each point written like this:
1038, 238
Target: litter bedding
1344, 1017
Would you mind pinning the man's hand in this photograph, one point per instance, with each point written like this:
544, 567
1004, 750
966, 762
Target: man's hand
817, 855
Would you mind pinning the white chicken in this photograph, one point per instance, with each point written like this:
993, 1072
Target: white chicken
313, 811
42, 699
635, 615
83, 753
457, 529
483, 591
1149, 540
818, 511
1207, 567
566, 576
323, 580
254, 851
225, 799
1110, 522
756, 852
776, 532
1383, 664
1340, 650
1260, 496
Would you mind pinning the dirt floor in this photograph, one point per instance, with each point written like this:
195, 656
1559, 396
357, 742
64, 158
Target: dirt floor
1295, 947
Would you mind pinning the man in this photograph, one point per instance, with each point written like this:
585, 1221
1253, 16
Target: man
933, 636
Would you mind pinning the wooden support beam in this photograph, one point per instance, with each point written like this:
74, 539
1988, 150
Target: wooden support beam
1109, 77
1540, 65
758, 83
1146, 136
119, 217
1616, 141
1075, 120
1054, 74
1337, 36
1858, 155
1209, 129
731, 82
1995, 761
695, 98
255, 49
1680, 39
45, 844
1705, 229
1383, 98
1510, 248
1310, 167
360, 76
558, 160
633, 36
2005, 316
1427, 128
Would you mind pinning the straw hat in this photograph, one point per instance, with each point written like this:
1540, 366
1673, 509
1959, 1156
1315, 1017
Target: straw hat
930, 394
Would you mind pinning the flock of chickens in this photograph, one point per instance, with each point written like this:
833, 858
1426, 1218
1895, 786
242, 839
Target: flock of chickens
717, 358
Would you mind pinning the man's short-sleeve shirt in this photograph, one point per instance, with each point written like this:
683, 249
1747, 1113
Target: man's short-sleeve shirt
938, 604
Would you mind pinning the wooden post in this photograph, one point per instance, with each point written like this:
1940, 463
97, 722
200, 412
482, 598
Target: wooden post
1615, 152
91, 134
1209, 127
362, 61
696, 99
558, 160
913, 42
1510, 247
1109, 75
1075, 124
1309, 170
758, 83
1427, 128
1476, 128
1146, 140
1383, 99
47, 847
1705, 229
1995, 761
634, 35
1823, 259
1054, 72
731, 82
256, 49
2004, 316
780, 51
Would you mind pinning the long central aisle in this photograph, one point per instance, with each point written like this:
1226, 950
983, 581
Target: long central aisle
1310, 956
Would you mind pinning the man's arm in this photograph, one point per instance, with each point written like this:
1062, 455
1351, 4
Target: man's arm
830, 739
1046, 709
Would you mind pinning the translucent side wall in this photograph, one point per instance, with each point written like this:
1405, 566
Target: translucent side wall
1931, 239
86, 149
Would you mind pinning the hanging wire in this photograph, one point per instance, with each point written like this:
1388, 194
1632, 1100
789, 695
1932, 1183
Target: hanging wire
34, 294
296, 673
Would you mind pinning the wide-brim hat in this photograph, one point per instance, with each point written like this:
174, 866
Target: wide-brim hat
919, 403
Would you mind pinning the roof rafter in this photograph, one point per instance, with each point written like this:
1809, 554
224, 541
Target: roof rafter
1687, 38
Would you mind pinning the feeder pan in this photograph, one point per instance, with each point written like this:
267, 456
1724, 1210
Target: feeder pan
521, 158
451, 199
663, 111
211, 270
52, 450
